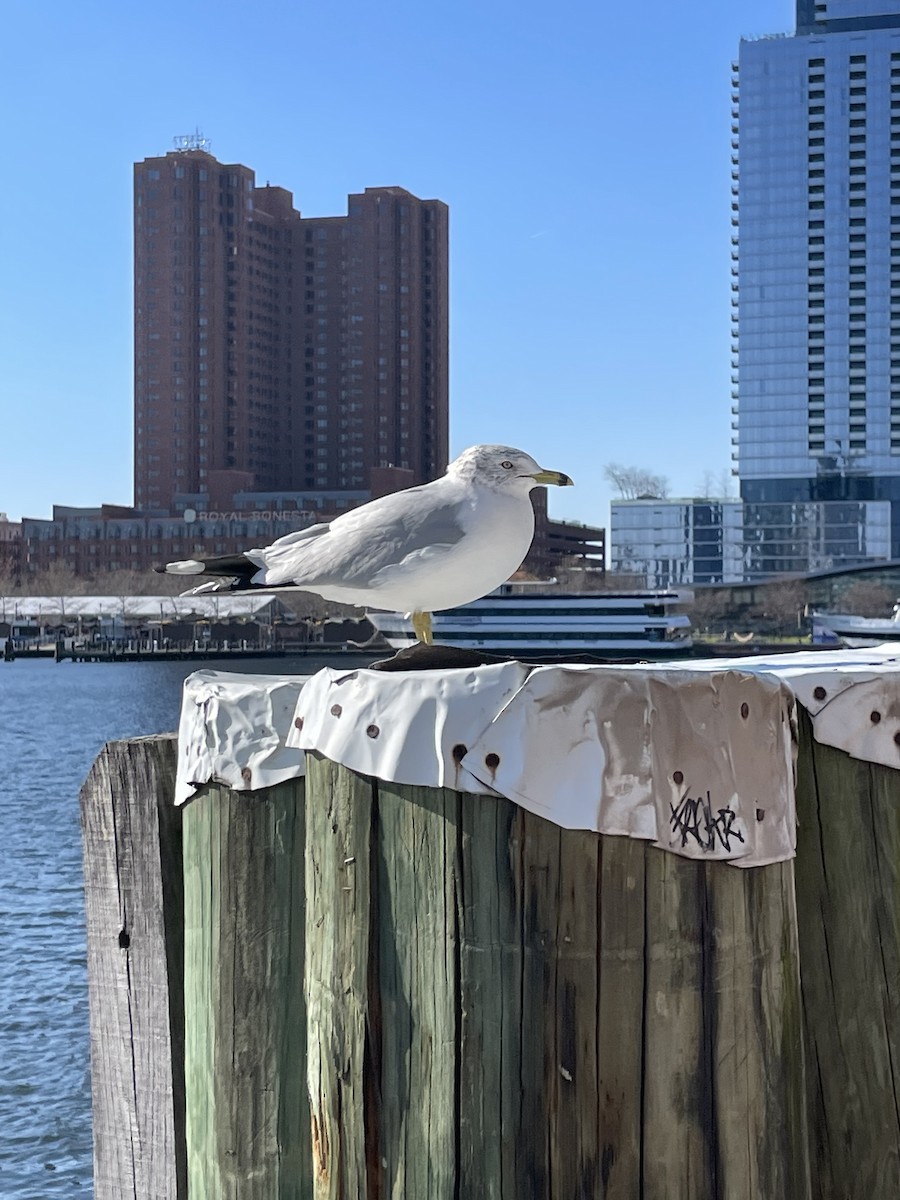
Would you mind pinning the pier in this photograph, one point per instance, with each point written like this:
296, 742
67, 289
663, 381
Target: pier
119, 629
502, 931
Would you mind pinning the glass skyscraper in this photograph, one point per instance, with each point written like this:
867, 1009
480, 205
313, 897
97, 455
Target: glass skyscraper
816, 271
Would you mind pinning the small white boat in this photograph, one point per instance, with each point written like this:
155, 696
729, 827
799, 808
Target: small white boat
543, 624
845, 629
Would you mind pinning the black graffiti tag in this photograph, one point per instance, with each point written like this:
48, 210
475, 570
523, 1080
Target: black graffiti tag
695, 820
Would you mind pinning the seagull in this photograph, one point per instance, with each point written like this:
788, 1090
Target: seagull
417, 551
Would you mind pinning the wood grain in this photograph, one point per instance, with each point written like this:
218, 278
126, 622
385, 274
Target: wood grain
248, 1134
620, 1018
516, 1010
848, 894
131, 835
344, 1033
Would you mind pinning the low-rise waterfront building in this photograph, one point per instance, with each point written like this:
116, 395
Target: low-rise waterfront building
89, 542
10, 544
701, 540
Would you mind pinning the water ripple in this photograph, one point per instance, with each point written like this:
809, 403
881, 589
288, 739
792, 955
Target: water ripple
54, 718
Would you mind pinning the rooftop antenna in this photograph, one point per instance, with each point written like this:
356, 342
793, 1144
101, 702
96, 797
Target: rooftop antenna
192, 141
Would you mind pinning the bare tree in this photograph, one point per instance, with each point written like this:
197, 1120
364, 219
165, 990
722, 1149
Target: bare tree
718, 486
725, 484
707, 485
866, 598
577, 579
55, 580
711, 610
636, 483
780, 607
10, 579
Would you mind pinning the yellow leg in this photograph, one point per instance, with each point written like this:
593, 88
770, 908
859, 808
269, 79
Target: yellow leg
421, 623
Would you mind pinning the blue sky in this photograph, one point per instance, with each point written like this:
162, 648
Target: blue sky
583, 149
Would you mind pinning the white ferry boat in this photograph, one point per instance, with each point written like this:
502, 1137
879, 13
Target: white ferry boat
846, 629
544, 624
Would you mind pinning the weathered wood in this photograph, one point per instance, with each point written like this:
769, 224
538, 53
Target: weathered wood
490, 999
678, 1122
134, 911
418, 979
752, 1003
245, 1012
620, 1015
519, 1010
848, 893
342, 1031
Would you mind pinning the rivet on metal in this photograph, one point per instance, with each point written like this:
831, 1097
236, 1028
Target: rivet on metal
459, 752
875, 716
745, 710
372, 731
678, 776
246, 775
819, 693
298, 722
336, 710
492, 761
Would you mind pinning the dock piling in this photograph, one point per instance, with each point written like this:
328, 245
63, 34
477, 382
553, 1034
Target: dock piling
134, 915
335, 986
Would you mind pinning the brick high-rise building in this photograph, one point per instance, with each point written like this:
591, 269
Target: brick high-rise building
281, 354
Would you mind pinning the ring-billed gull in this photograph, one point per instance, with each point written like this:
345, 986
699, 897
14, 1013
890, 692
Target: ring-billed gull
418, 551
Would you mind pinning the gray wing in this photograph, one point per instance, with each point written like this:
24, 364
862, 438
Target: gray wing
360, 544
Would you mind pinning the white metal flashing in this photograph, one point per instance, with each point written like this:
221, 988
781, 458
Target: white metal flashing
698, 763
695, 756
233, 730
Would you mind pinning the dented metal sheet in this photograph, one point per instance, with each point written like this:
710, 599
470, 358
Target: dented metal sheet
852, 696
698, 763
410, 727
233, 730
695, 757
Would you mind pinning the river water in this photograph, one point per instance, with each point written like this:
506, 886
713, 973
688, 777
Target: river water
54, 718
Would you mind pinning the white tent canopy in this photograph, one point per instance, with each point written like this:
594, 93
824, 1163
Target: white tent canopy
221, 607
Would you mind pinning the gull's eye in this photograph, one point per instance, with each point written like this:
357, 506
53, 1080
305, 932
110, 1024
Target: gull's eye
506, 465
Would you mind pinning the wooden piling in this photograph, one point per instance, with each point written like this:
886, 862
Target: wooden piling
498, 1007
848, 894
248, 1132
501, 1008
131, 835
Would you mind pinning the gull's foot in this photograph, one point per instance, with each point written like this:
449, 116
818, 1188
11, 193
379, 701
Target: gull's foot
421, 623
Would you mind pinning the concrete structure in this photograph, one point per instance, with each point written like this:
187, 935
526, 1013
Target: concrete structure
277, 353
561, 545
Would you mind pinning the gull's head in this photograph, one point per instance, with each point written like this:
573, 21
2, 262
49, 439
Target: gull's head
504, 467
